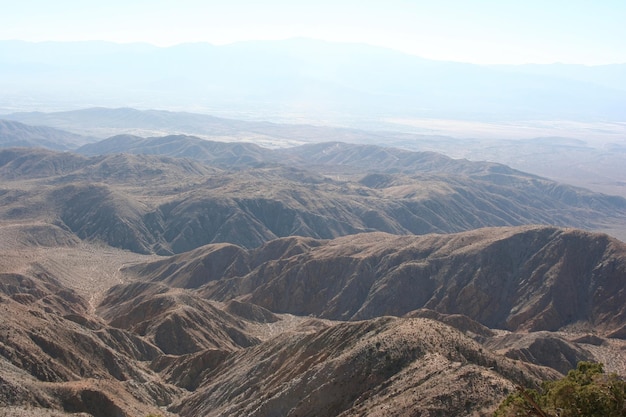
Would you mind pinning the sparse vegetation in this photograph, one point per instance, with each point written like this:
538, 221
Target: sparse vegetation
235, 329
586, 391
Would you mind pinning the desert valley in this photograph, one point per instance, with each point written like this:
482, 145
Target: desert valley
175, 275
312, 209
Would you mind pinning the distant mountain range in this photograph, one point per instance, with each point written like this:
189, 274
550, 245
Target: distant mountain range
107, 122
138, 194
15, 134
182, 276
302, 78
596, 164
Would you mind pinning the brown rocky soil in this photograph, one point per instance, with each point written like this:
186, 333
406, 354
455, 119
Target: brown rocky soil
93, 322
154, 346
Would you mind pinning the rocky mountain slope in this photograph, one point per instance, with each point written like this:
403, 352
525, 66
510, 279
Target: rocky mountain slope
381, 367
146, 336
151, 203
142, 346
302, 284
529, 278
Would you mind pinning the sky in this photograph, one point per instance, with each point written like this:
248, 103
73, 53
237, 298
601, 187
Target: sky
590, 32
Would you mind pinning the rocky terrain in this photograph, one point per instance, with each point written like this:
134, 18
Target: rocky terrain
247, 195
180, 277
546, 278
95, 330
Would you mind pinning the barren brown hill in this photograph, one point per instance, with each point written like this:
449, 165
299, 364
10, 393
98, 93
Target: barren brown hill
84, 331
156, 204
177, 322
385, 366
283, 313
529, 278
55, 354
545, 348
58, 356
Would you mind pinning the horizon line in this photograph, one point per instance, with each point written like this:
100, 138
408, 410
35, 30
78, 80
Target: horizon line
226, 44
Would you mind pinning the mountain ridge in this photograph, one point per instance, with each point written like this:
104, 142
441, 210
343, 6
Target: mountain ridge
91, 329
159, 204
587, 155
16, 134
310, 76
349, 278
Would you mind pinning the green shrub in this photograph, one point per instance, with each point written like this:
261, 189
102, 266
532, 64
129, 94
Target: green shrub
585, 392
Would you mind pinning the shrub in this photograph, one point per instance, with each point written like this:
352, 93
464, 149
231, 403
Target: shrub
585, 392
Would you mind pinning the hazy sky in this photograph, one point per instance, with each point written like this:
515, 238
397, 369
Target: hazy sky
479, 31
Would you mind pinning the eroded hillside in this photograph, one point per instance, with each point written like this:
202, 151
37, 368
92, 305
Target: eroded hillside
206, 333
242, 281
164, 205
